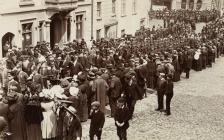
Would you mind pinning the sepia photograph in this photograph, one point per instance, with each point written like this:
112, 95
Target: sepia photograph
111, 69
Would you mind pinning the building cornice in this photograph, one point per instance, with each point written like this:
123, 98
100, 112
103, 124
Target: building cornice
37, 9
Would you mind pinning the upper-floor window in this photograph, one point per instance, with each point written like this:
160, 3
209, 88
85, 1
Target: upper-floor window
99, 9
26, 2
113, 6
183, 4
123, 7
134, 5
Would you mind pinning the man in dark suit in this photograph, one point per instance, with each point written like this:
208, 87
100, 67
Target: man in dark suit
121, 117
72, 126
151, 72
22, 79
75, 66
131, 92
169, 93
115, 88
97, 121
161, 89
188, 58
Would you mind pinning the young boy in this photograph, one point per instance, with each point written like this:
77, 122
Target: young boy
97, 121
121, 117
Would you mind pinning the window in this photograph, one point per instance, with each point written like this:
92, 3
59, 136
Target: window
69, 29
123, 7
183, 4
26, 2
27, 34
98, 9
199, 4
113, 7
191, 4
41, 31
123, 33
79, 26
134, 5
98, 34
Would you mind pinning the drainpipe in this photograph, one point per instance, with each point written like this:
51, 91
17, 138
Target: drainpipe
92, 18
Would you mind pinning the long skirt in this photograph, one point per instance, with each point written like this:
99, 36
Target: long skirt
33, 132
84, 109
49, 125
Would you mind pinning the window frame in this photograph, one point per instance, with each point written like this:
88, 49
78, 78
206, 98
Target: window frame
99, 9
26, 2
113, 7
134, 7
123, 8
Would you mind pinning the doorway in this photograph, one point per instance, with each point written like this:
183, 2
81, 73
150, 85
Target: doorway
7, 41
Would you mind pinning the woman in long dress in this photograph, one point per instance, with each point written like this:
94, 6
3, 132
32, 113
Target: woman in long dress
17, 125
49, 123
33, 114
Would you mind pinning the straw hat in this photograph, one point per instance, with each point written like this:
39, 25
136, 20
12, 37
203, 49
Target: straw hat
72, 110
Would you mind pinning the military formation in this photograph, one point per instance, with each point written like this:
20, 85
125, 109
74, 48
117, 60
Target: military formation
49, 91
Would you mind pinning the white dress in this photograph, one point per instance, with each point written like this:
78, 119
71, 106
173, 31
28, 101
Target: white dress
49, 123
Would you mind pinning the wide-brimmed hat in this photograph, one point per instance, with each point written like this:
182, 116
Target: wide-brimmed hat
12, 96
73, 91
81, 76
91, 75
96, 103
64, 83
72, 110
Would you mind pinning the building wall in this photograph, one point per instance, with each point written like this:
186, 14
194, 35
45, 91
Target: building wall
13, 14
206, 4
129, 22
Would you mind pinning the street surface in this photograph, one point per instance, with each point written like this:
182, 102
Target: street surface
197, 111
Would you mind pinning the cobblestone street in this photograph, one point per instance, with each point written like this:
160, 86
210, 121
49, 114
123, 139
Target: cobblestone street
197, 111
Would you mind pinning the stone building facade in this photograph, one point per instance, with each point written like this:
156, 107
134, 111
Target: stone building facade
25, 22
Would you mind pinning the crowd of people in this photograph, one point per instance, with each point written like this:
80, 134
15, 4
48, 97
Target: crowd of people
47, 92
187, 16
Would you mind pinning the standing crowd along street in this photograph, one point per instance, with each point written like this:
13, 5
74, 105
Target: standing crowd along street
47, 93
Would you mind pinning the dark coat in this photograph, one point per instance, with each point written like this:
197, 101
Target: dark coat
22, 79
74, 129
75, 69
3, 128
97, 121
4, 109
38, 80
151, 68
169, 88
132, 91
162, 86
115, 87
122, 115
